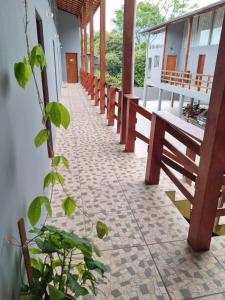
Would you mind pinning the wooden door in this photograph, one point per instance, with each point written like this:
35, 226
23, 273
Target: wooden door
200, 69
171, 67
171, 63
71, 66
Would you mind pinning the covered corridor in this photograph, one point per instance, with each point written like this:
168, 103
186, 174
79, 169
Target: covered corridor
146, 251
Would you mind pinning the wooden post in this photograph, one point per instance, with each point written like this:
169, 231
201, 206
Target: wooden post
188, 43
111, 115
155, 150
25, 250
120, 98
82, 47
97, 92
85, 44
164, 48
131, 123
92, 57
108, 99
102, 55
212, 162
128, 60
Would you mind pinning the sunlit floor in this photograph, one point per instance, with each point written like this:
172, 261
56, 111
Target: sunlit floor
146, 252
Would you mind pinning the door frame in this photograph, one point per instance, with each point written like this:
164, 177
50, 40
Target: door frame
76, 54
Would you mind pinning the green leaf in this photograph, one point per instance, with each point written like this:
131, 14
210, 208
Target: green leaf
95, 265
37, 264
53, 178
102, 230
60, 159
58, 114
69, 206
75, 286
37, 57
55, 294
35, 251
41, 137
53, 110
34, 211
23, 72
65, 116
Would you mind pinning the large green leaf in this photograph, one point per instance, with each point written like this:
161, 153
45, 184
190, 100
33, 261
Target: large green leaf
69, 206
55, 294
41, 137
53, 178
58, 114
53, 110
65, 116
37, 57
37, 264
23, 72
102, 230
75, 286
34, 211
60, 159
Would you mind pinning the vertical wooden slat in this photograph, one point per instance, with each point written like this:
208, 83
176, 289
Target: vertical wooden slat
131, 125
120, 98
212, 162
155, 150
128, 60
188, 43
111, 114
82, 47
102, 54
26, 255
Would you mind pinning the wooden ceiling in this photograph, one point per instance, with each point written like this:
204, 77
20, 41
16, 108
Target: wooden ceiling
74, 6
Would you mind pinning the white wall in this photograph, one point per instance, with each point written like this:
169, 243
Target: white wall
69, 35
22, 166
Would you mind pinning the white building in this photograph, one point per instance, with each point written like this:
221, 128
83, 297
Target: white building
182, 53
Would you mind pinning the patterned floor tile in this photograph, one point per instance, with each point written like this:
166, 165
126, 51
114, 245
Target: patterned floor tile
187, 274
162, 224
123, 229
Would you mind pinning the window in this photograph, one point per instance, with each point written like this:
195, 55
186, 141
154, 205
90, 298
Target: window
156, 40
201, 30
217, 26
156, 61
149, 66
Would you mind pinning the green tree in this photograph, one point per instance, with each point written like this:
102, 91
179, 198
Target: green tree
113, 64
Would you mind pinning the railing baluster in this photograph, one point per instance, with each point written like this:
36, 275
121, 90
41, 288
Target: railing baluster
111, 106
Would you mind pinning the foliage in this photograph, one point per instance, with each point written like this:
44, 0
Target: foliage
57, 271
113, 64
114, 80
55, 246
139, 67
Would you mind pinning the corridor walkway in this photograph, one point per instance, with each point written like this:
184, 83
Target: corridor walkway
146, 251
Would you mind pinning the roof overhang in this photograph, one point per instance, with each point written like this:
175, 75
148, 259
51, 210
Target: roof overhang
74, 6
186, 16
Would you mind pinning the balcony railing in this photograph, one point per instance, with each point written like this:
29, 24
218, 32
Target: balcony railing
197, 82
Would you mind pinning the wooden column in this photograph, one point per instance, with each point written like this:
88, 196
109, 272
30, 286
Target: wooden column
188, 43
85, 41
164, 48
155, 150
128, 60
82, 46
111, 106
92, 58
102, 55
212, 163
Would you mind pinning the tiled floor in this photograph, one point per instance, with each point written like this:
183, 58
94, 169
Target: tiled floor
146, 252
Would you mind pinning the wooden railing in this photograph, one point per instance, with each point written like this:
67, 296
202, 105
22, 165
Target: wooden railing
198, 82
113, 98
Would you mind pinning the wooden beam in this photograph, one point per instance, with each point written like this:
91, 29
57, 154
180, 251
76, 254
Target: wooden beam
128, 60
212, 162
102, 54
188, 43
82, 47
92, 57
164, 48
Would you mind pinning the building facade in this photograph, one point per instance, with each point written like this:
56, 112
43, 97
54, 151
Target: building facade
182, 53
